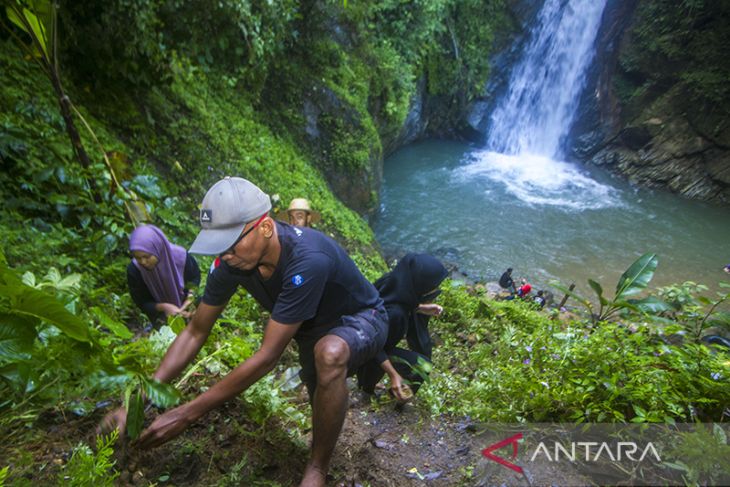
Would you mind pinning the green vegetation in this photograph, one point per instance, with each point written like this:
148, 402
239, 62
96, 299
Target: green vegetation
507, 361
677, 49
87, 467
179, 94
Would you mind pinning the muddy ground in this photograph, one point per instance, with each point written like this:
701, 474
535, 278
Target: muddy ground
380, 445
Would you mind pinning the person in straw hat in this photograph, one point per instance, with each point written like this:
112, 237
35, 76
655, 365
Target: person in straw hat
300, 213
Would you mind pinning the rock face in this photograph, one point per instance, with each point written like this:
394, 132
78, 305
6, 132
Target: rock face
643, 114
327, 118
476, 126
662, 149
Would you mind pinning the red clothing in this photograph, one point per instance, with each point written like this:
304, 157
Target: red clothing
524, 290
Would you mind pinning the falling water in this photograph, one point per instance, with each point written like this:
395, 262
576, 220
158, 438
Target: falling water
530, 123
537, 111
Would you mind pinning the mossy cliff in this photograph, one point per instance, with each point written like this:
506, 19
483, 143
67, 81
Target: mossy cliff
302, 98
661, 106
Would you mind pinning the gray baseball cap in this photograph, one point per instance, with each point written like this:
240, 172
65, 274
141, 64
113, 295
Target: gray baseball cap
228, 205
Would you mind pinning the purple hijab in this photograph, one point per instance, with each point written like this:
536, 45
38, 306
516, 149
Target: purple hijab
165, 282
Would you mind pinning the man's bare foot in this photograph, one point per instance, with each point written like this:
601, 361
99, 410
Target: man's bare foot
313, 477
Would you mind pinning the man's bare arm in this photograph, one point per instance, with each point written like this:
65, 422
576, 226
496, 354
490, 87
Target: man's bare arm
167, 426
276, 337
188, 343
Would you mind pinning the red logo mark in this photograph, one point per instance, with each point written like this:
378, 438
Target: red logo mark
487, 452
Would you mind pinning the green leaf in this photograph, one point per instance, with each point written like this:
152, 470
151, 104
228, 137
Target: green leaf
720, 318
570, 293
28, 279
31, 25
17, 334
637, 276
19, 375
114, 326
135, 415
176, 323
32, 302
678, 465
597, 288
162, 395
719, 434
651, 305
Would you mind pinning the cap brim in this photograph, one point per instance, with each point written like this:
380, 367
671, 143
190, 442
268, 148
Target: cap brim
214, 241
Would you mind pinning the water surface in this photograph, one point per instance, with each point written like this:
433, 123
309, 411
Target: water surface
547, 219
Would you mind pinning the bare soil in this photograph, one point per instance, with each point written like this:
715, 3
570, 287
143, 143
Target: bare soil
380, 445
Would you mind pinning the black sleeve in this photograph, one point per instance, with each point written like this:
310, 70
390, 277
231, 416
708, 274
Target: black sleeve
191, 274
220, 286
140, 293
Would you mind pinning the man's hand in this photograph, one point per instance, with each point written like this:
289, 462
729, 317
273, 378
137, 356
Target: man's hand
165, 428
115, 419
430, 309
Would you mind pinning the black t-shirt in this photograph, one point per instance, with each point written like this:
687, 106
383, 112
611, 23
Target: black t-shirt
315, 282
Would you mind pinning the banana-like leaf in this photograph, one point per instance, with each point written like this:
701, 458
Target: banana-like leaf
110, 323
30, 23
135, 415
598, 290
162, 395
637, 276
651, 305
32, 302
17, 334
621, 304
18, 375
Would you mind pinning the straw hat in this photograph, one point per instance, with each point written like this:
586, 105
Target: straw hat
301, 204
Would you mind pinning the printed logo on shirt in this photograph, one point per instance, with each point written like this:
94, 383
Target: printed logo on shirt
297, 280
298, 232
206, 216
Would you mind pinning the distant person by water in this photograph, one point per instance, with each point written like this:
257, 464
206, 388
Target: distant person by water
506, 281
727, 268
522, 292
525, 289
540, 298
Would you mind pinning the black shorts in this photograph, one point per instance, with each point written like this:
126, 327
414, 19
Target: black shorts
364, 332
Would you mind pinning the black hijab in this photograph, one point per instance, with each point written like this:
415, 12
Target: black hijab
409, 284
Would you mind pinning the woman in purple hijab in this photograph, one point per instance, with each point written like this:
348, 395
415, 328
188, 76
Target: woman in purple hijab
160, 274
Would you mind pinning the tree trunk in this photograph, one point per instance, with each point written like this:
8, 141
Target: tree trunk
73, 133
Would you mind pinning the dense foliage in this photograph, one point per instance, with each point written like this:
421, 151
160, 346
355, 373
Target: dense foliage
180, 93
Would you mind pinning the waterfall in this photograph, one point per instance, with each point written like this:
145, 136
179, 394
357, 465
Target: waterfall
529, 124
536, 113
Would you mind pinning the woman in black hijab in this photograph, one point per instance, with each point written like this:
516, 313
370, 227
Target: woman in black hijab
408, 292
